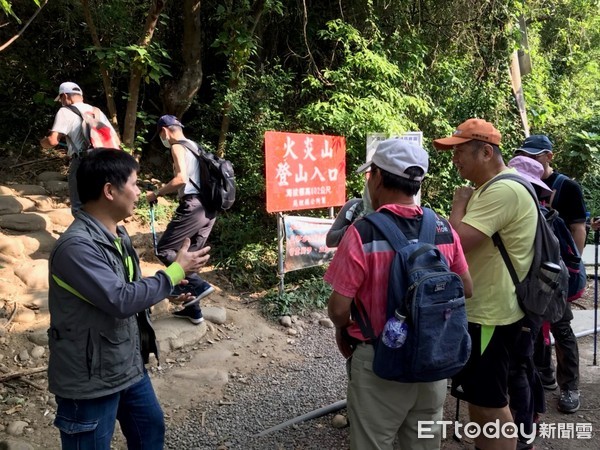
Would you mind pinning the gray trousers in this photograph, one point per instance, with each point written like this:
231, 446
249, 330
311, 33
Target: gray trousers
192, 221
73, 194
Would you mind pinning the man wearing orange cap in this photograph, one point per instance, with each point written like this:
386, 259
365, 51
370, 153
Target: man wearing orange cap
493, 312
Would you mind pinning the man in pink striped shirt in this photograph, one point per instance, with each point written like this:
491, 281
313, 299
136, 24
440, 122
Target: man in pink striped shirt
379, 409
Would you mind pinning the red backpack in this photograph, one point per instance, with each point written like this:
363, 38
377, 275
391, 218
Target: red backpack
96, 133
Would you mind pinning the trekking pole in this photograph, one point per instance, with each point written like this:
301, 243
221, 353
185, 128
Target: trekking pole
152, 229
596, 241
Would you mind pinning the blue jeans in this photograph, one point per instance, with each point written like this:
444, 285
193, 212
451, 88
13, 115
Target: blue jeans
89, 424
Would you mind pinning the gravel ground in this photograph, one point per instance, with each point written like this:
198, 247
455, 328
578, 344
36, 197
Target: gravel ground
271, 397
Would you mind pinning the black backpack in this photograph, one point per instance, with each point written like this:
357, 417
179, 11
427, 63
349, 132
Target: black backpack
539, 297
431, 297
217, 179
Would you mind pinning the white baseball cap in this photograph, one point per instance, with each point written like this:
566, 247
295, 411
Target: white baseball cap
68, 87
396, 155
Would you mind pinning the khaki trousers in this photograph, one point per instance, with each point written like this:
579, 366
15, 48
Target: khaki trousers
379, 409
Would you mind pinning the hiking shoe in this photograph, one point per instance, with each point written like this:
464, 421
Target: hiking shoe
548, 381
204, 290
524, 446
568, 401
194, 315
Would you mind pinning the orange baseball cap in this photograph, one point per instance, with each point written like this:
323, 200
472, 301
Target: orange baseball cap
477, 129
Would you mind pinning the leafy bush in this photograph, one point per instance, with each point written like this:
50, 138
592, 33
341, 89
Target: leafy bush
305, 295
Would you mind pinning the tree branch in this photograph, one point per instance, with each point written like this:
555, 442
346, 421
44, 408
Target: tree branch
108, 90
22, 30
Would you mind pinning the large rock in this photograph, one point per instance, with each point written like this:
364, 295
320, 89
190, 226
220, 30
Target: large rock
33, 273
173, 333
10, 205
215, 314
37, 298
5, 190
42, 203
28, 189
37, 244
56, 187
51, 176
26, 204
11, 247
61, 217
10, 284
23, 222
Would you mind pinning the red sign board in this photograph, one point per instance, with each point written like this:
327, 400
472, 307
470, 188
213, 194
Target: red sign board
304, 171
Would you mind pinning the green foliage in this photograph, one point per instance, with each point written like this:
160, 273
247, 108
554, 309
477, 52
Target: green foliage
563, 90
591, 192
308, 294
343, 68
121, 58
162, 213
363, 92
6, 8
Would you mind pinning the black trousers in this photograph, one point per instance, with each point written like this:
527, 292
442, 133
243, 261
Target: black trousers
525, 388
567, 353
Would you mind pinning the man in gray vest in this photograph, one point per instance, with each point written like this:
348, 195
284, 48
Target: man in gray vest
100, 333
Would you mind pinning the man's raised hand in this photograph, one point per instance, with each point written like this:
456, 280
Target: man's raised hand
191, 261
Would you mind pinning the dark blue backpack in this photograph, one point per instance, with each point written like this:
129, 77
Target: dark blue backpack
570, 256
568, 249
431, 297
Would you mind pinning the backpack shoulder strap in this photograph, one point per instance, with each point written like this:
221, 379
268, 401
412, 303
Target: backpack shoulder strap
428, 227
558, 181
496, 236
389, 229
556, 187
362, 318
84, 127
186, 144
514, 177
74, 109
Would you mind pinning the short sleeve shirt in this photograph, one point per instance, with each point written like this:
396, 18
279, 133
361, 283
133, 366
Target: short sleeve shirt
360, 267
507, 208
570, 203
69, 123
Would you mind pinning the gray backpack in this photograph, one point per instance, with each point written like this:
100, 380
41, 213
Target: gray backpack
540, 296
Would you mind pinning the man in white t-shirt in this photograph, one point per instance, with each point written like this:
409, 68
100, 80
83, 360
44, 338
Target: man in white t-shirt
68, 123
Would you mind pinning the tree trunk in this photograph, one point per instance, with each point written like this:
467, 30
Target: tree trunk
137, 72
177, 95
106, 82
234, 79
